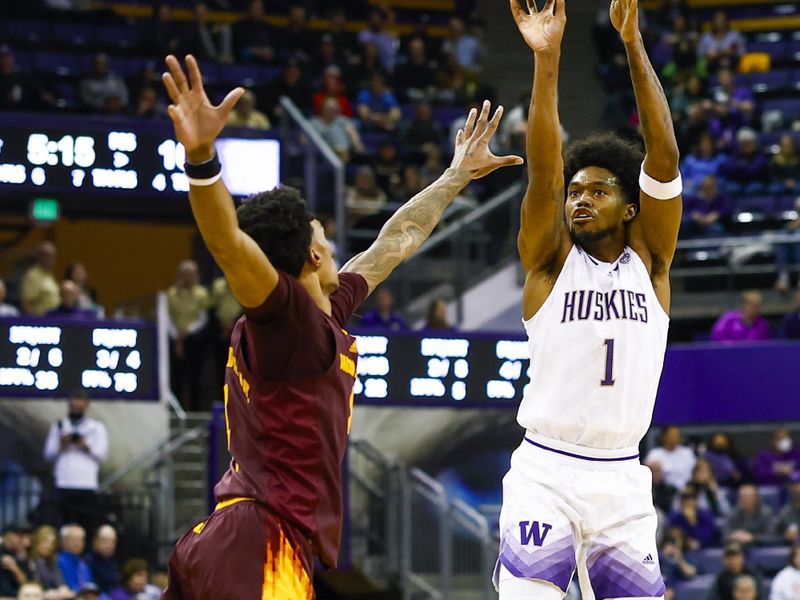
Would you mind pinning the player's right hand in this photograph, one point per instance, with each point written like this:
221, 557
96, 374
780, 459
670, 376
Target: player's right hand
542, 29
197, 122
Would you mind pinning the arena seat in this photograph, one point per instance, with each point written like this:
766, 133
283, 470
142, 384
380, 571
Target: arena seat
708, 560
694, 589
770, 559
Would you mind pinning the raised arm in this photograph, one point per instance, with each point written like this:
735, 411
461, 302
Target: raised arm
542, 225
658, 222
410, 226
197, 122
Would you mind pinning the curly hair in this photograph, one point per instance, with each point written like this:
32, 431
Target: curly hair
608, 151
280, 224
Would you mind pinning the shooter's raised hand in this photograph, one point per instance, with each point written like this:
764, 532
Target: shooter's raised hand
472, 156
625, 19
542, 29
197, 122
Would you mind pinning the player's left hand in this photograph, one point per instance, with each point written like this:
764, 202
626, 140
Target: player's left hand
625, 18
472, 157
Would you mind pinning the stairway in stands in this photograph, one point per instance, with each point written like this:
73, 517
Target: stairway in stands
190, 471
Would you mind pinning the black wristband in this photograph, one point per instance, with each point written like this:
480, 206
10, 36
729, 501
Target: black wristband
205, 170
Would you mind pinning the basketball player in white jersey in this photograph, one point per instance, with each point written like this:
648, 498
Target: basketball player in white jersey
598, 233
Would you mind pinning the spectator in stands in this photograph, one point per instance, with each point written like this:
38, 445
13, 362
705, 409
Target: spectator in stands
790, 325
384, 40
433, 167
364, 67
43, 564
746, 171
672, 556
90, 591
721, 46
733, 562
751, 522
332, 87
676, 459
102, 89
737, 100
414, 78
773, 466
39, 288
163, 37
377, 106
135, 583
87, 297
786, 585
663, 492
364, 198
784, 167
788, 253
148, 104
388, 167
437, 316
31, 591
18, 89
697, 524
384, 316
724, 459
6, 310
338, 131
709, 495
745, 324
745, 587
329, 55
706, 211
77, 445
102, 561
343, 40
207, 41
330, 229
69, 309
187, 302
296, 41
703, 161
422, 129
788, 524
252, 37
293, 85
227, 311
464, 46
245, 114
411, 184
13, 567
73, 566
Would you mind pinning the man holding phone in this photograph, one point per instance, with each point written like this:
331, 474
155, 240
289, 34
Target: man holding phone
77, 445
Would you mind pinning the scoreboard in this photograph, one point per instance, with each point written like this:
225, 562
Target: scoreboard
107, 359
441, 369
93, 156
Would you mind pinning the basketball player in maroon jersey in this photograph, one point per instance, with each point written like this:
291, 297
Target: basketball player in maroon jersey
291, 366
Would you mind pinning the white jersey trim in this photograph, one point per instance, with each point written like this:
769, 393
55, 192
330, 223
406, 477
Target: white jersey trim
576, 451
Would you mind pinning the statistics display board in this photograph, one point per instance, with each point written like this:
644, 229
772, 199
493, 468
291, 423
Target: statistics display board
123, 157
107, 359
457, 370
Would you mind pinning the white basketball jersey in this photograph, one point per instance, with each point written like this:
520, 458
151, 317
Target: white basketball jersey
597, 349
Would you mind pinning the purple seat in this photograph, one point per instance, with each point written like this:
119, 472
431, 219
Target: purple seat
771, 495
29, 31
447, 114
785, 206
23, 59
115, 63
761, 207
74, 34
770, 559
768, 80
708, 560
68, 93
246, 75
777, 50
789, 107
65, 65
694, 589
120, 36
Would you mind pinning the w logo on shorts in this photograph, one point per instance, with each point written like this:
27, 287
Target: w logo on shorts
528, 531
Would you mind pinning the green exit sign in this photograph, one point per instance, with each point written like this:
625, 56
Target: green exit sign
44, 210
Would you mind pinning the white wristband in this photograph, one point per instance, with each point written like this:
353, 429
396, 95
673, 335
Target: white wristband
205, 182
659, 190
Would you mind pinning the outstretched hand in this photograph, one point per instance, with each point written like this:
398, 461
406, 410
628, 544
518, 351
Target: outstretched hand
542, 29
625, 18
197, 122
472, 155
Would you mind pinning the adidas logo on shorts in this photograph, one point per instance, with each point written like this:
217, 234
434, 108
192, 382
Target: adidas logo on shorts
648, 560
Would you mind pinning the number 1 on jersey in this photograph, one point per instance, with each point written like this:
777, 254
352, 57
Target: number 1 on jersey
609, 380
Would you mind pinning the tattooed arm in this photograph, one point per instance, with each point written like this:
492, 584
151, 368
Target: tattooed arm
410, 226
654, 232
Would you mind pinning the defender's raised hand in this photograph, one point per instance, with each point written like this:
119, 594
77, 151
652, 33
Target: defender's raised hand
472, 156
197, 122
625, 18
542, 29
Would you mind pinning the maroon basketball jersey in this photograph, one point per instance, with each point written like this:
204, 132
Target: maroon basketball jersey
287, 438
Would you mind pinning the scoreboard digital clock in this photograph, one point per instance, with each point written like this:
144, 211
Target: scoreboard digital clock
107, 359
72, 155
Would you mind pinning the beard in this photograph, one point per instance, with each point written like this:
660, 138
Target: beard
583, 237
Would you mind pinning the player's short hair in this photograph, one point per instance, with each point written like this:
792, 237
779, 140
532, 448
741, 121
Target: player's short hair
608, 151
280, 224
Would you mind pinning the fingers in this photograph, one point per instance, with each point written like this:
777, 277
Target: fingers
177, 74
516, 11
459, 137
491, 128
509, 161
226, 106
172, 88
483, 118
549, 7
469, 126
195, 78
532, 8
560, 9
172, 112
